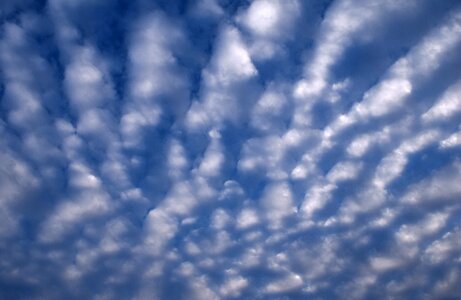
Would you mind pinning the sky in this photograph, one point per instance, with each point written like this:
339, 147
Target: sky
219, 149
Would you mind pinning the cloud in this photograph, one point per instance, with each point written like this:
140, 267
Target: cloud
230, 149
268, 22
446, 107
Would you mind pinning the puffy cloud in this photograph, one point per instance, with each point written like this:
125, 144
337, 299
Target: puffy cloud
248, 217
231, 61
156, 86
268, 22
440, 187
270, 18
271, 113
234, 287
277, 202
84, 80
447, 106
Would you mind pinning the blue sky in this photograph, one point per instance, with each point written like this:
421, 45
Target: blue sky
217, 149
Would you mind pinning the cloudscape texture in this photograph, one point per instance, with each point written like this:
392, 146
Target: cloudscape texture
219, 149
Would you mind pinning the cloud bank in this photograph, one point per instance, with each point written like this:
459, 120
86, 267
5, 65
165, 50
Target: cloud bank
220, 149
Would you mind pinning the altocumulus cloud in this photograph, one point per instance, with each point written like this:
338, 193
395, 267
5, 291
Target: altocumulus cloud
219, 149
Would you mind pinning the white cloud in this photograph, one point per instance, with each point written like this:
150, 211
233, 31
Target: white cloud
233, 287
440, 188
213, 158
88, 200
220, 219
316, 198
268, 22
247, 218
414, 233
231, 62
86, 80
382, 264
180, 199
343, 22
270, 18
226, 81
153, 75
447, 106
160, 228
271, 112
277, 203
453, 140
344, 171
177, 159
442, 249
393, 90
393, 164
264, 154
290, 282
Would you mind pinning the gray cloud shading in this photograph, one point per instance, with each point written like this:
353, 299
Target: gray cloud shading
219, 149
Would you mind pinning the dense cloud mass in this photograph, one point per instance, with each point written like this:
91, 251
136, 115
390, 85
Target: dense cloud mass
217, 149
